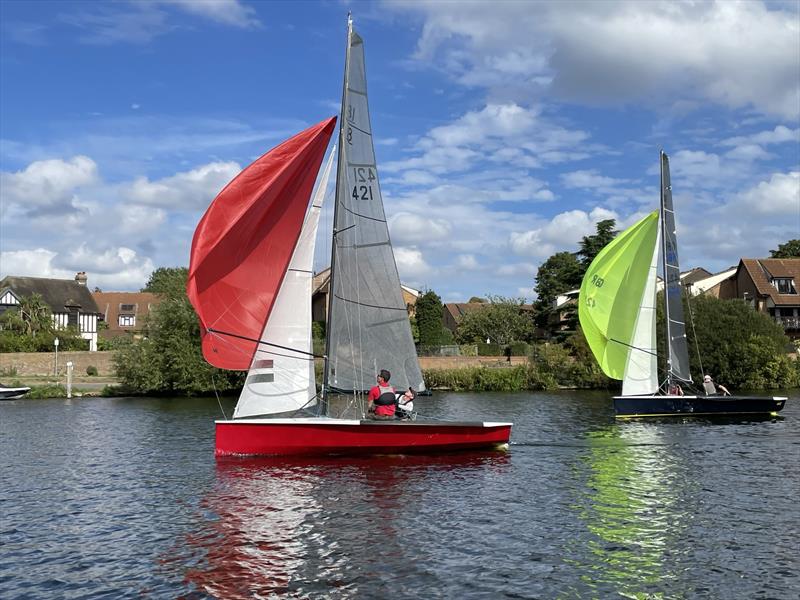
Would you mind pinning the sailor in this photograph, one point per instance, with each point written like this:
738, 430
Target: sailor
708, 386
381, 399
405, 404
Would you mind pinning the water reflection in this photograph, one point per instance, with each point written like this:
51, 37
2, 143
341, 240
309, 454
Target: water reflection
633, 510
311, 526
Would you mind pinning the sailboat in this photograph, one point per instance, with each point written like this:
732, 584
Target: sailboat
250, 279
617, 312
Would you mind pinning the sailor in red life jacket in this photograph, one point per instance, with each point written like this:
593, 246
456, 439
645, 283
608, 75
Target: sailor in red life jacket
381, 398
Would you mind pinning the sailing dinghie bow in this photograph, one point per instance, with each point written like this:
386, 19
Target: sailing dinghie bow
250, 279
617, 312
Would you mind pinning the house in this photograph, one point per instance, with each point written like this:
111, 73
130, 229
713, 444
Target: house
319, 296
70, 301
124, 313
688, 278
770, 285
562, 317
453, 311
719, 285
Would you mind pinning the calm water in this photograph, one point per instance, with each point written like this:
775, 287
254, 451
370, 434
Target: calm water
115, 498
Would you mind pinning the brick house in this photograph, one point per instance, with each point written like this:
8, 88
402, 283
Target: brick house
770, 285
70, 301
124, 313
319, 296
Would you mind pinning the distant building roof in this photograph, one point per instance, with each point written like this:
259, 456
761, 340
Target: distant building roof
134, 304
59, 294
764, 272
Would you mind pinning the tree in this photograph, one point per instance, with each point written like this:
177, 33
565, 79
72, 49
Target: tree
170, 358
169, 281
477, 299
429, 319
558, 274
592, 244
790, 249
502, 320
29, 328
738, 346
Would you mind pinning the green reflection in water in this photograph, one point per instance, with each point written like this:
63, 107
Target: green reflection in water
630, 505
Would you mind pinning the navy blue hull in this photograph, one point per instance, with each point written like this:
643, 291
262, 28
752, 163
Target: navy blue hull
663, 406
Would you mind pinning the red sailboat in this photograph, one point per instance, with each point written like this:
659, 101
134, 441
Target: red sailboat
250, 280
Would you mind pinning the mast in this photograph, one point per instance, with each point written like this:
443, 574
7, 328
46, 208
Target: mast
323, 405
677, 348
664, 270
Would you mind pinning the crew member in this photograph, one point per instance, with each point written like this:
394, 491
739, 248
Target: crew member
381, 399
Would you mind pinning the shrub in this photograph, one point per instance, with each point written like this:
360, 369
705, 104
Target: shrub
91, 370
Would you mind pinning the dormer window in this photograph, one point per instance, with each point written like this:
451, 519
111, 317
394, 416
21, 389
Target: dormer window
127, 308
784, 285
127, 320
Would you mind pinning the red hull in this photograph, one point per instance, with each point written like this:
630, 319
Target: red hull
310, 437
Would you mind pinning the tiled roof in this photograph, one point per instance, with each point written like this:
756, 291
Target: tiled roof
763, 270
56, 293
114, 304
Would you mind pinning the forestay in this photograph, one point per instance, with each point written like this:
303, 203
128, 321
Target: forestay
368, 325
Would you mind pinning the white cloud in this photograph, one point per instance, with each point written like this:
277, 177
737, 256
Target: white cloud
47, 183
467, 262
742, 54
778, 135
186, 190
113, 268
227, 12
589, 179
563, 232
780, 196
408, 228
411, 264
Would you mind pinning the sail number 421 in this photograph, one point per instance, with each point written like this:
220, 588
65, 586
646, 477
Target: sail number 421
363, 176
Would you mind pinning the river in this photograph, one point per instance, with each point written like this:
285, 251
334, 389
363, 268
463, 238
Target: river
122, 498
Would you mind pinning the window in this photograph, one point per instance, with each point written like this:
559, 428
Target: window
784, 285
72, 318
127, 320
127, 308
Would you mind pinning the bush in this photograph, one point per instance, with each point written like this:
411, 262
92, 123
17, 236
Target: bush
485, 349
91, 370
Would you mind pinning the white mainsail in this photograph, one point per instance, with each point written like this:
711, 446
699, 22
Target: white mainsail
281, 375
641, 369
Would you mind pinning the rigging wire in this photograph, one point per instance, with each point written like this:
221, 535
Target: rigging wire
694, 334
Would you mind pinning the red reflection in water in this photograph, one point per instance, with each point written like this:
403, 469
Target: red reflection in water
264, 516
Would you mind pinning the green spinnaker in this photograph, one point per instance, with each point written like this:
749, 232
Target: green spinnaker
612, 291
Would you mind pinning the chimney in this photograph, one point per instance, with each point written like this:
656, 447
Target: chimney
81, 278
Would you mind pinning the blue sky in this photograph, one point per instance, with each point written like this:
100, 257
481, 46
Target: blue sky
504, 130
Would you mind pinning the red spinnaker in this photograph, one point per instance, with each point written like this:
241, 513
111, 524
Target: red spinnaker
243, 244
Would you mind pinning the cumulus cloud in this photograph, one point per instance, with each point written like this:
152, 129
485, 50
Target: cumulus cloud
227, 12
408, 228
186, 190
411, 264
780, 196
109, 268
742, 54
47, 183
564, 231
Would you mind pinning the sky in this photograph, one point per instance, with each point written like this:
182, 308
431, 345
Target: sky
504, 131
